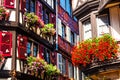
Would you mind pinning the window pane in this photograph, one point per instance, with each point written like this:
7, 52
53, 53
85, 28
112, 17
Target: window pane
46, 55
60, 58
60, 67
53, 3
62, 3
72, 38
59, 61
68, 7
27, 5
102, 24
70, 68
64, 66
35, 49
63, 31
28, 49
46, 18
87, 30
32, 6
49, 2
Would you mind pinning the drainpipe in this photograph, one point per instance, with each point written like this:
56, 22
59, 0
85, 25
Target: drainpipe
56, 6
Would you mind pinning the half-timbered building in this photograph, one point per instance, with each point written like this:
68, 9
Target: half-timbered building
95, 18
18, 40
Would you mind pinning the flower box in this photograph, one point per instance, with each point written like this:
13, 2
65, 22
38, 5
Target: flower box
94, 50
4, 15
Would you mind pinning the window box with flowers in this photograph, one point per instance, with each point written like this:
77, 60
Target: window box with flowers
33, 21
4, 15
94, 50
48, 30
39, 68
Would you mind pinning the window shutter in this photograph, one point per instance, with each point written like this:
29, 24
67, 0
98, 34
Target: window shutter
6, 43
75, 38
59, 27
41, 49
22, 47
59, 62
23, 5
39, 9
9, 3
53, 58
68, 33
52, 18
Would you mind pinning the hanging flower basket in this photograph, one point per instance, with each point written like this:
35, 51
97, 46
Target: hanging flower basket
100, 49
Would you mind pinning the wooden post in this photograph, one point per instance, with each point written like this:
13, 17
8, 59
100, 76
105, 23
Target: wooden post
81, 31
93, 24
17, 11
14, 52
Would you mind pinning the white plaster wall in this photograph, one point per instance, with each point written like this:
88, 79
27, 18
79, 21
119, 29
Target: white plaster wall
5, 79
20, 17
8, 64
74, 4
12, 16
68, 33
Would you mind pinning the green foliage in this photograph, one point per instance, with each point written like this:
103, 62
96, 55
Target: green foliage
2, 10
48, 29
30, 60
31, 18
51, 70
37, 64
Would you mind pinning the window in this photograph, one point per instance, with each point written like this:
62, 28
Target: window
72, 38
75, 73
29, 48
35, 50
66, 5
46, 18
87, 30
30, 5
70, 70
47, 55
63, 66
51, 3
63, 31
61, 63
102, 24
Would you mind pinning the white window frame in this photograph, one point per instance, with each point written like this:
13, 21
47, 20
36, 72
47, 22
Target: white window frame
87, 29
103, 26
59, 63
